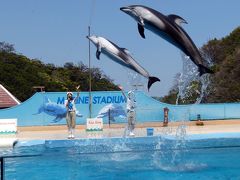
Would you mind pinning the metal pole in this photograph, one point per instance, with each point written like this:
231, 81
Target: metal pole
90, 75
2, 161
2, 168
109, 120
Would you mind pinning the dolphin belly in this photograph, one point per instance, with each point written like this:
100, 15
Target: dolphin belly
126, 60
118, 60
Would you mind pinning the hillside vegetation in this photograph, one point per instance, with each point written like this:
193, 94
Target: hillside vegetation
19, 74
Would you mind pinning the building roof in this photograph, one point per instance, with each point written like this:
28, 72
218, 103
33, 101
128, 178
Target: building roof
7, 99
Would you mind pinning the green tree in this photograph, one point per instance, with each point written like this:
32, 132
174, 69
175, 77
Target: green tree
19, 74
225, 84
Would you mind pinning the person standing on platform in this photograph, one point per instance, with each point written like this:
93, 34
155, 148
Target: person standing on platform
71, 112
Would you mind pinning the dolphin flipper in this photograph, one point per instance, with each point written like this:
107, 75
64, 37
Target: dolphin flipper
126, 51
57, 119
203, 70
152, 80
79, 115
98, 54
36, 113
141, 30
40, 110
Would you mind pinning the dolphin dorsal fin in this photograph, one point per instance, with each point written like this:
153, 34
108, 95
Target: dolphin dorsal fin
47, 100
177, 19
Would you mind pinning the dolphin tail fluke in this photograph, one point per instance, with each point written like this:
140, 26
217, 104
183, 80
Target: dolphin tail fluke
203, 70
152, 80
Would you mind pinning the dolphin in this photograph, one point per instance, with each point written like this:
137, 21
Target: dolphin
120, 55
54, 109
169, 28
114, 110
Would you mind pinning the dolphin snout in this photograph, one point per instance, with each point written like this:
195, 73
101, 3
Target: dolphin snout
89, 38
124, 9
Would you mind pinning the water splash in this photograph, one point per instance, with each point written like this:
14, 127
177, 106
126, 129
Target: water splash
189, 74
180, 145
189, 83
188, 167
170, 154
121, 147
126, 131
135, 81
173, 157
205, 81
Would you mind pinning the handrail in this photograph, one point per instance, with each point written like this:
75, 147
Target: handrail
2, 168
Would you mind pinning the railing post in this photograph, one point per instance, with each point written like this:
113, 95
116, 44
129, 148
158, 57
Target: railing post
165, 118
2, 161
2, 168
199, 121
109, 118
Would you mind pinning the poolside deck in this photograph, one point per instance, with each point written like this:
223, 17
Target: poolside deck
117, 130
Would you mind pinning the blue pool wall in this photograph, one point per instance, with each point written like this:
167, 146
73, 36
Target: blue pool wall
146, 143
47, 108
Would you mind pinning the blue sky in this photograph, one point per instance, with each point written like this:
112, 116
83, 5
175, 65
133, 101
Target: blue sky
55, 32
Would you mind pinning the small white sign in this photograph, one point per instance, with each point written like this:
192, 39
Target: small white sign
94, 124
8, 125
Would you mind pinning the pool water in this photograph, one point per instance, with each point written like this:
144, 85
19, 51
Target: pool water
72, 163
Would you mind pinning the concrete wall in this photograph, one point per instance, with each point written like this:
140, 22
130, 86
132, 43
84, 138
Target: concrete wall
47, 108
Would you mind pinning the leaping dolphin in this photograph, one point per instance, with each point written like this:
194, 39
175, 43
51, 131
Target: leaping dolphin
120, 56
167, 27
